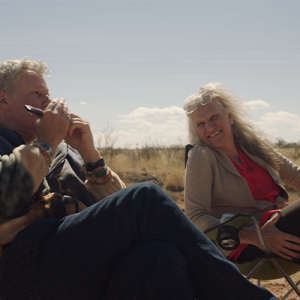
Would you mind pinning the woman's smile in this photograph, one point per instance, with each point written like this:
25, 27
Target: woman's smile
216, 133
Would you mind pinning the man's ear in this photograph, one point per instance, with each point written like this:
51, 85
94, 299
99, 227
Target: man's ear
3, 101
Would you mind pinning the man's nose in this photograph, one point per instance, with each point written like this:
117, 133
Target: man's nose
46, 101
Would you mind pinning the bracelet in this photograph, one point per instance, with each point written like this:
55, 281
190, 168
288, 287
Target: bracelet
97, 174
44, 152
69, 200
92, 166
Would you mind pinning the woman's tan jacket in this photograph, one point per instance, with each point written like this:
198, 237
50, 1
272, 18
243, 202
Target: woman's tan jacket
213, 186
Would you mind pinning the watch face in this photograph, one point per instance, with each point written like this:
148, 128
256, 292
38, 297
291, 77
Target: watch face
45, 146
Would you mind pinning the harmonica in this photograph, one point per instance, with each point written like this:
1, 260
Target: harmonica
34, 111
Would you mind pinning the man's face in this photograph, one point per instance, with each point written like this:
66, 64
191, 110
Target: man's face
30, 88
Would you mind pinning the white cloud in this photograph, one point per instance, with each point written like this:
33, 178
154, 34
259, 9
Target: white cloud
83, 103
166, 125
132, 121
157, 134
281, 124
157, 113
281, 117
256, 104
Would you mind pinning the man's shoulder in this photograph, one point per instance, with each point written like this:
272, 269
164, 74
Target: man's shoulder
8, 140
5, 146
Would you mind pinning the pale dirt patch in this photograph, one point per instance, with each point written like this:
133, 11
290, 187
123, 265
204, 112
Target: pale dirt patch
279, 287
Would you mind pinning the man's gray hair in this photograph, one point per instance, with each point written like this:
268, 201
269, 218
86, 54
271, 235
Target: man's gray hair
11, 69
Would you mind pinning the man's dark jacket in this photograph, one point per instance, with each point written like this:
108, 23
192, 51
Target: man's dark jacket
66, 174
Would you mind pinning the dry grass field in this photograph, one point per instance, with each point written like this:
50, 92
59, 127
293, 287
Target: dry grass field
166, 167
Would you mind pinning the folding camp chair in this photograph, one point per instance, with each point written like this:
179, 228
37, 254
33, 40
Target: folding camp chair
265, 267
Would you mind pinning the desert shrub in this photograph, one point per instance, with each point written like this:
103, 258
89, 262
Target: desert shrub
175, 180
165, 166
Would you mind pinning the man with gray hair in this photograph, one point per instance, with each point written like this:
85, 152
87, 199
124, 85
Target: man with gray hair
22, 83
17, 77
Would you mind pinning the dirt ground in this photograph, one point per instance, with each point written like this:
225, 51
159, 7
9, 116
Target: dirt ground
279, 287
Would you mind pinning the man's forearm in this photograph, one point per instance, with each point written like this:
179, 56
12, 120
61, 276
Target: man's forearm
91, 156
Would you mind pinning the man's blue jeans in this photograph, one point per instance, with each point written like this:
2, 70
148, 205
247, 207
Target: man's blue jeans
134, 244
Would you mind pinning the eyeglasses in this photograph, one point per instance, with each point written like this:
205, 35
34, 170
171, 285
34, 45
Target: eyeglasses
192, 105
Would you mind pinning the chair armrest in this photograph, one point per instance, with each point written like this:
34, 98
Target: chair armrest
261, 239
238, 221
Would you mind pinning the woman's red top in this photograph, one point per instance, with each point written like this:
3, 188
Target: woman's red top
262, 187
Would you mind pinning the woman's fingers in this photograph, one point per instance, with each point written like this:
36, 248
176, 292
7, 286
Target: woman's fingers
286, 257
278, 242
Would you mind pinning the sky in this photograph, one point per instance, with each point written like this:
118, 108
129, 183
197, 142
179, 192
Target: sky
127, 66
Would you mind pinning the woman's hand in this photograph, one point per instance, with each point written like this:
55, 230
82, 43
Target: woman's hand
281, 204
278, 242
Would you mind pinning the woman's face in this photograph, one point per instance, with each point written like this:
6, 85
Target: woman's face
213, 126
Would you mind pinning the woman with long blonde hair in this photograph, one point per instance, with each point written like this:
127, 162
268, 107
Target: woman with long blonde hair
232, 168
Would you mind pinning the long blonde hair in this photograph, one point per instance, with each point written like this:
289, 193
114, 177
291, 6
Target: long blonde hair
244, 132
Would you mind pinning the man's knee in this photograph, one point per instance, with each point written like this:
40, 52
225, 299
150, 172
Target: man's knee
147, 187
150, 192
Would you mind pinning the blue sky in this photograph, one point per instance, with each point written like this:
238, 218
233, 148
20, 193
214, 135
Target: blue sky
131, 64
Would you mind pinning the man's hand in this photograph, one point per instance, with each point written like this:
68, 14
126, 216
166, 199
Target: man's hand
54, 124
48, 207
70, 208
53, 206
80, 137
278, 242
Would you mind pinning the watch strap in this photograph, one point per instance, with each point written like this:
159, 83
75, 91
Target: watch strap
92, 166
44, 152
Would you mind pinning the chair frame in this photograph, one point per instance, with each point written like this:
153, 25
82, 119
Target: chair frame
294, 286
268, 256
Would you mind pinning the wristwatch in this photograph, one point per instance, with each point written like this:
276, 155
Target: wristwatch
46, 147
92, 166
